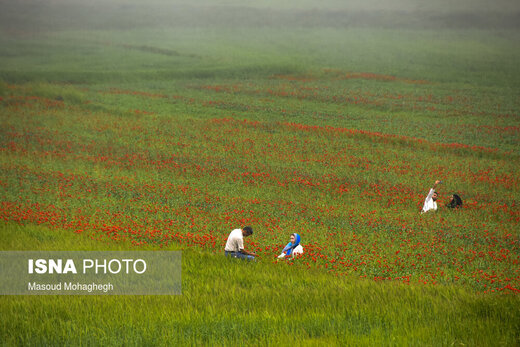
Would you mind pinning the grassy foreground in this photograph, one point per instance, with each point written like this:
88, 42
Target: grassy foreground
231, 302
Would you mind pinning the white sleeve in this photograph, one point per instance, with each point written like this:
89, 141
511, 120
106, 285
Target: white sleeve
240, 243
428, 198
430, 194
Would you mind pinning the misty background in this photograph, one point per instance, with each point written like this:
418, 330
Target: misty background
33, 16
89, 42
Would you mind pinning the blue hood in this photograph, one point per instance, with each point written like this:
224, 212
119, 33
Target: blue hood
290, 246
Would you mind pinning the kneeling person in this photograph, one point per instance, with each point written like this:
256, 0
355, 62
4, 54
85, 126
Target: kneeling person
235, 244
430, 203
293, 248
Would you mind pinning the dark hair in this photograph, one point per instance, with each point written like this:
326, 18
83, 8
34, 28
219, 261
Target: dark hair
456, 202
248, 230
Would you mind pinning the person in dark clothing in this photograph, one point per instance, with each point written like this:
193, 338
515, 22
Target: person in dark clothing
455, 201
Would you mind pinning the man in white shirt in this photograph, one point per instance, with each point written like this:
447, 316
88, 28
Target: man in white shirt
430, 203
235, 244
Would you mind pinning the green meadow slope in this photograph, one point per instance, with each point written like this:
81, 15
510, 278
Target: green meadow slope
166, 126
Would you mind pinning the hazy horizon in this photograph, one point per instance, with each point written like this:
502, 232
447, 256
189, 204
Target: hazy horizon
50, 15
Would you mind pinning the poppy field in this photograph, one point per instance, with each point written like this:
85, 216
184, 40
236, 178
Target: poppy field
354, 195
171, 138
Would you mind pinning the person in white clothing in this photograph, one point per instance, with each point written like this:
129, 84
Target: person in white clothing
235, 244
293, 248
430, 203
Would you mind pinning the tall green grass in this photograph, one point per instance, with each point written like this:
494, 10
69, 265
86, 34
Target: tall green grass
225, 301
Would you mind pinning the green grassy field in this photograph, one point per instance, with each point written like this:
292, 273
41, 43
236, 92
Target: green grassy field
229, 302
160, 127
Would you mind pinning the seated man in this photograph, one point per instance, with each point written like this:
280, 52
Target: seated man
235, 244
430, 201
